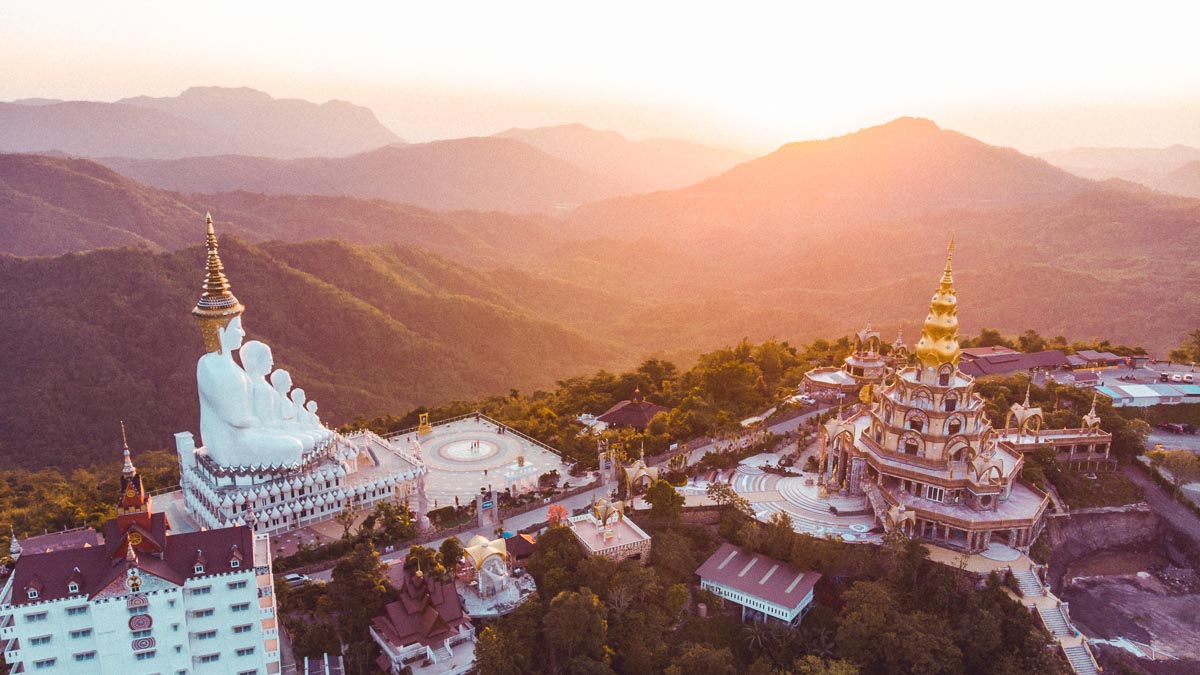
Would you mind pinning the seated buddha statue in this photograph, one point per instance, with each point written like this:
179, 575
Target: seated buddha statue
285, 410
233, 435
257, 361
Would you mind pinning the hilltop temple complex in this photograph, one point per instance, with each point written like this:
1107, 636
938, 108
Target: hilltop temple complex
927, 457
864, 367
267, 461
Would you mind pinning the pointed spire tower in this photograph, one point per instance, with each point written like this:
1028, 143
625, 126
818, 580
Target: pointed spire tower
217, 305
939, 338
133, 504
14, 547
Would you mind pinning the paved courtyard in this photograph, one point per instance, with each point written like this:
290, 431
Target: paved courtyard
468, 454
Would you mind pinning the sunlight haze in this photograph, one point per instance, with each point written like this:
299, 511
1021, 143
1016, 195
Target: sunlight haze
754, 79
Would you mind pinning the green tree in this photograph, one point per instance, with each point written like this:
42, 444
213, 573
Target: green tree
1189, 350
814, 665
701, 659
576, 627
450, 552
666, 504
1182, 465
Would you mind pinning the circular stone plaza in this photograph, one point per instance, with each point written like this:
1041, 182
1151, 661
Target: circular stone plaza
473, 452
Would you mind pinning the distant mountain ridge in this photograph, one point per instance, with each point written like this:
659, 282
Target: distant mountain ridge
647, 166
54, 205
484, 174
202, 121
906, 167
1169, 169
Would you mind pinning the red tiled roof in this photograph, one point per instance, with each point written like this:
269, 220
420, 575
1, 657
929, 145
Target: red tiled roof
636, 414
99, 566
58, 541
996, 364
759, 576
427, 612
520, 546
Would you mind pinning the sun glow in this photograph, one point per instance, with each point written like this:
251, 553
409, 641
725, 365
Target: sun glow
755, 76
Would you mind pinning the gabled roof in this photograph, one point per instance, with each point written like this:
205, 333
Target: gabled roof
99, 566
427, 612
520, 546
636, 414
1011, 362
758, 576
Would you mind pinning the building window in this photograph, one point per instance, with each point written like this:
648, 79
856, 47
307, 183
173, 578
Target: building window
198, 569
248, 672
245, 628
76, 611
206, 635
33, 594
40, 640
236, 585
951, 403
85, 656
234, 564
954, 426
209, 658
911, 447
934, 493
145, 656
916, 424
34, 618
44, 663
139, 610
203, 590
944, 379
240, 607
201, 613
81, 633
140, 633
72, 587
245, 651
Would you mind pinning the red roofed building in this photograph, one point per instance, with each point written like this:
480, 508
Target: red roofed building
766, 589
141, 599
635, 413
425, 630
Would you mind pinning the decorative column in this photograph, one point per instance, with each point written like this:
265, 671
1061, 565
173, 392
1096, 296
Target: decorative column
857, 466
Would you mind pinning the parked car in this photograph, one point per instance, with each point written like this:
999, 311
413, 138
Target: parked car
293, 580
806, 399
1164, 377
1188, 378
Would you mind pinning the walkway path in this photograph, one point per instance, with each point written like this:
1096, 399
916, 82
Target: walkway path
1164, 504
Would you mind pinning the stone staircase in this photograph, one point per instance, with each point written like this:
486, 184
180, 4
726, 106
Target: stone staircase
1028, 582
1081, 660
1056, 622
442, 654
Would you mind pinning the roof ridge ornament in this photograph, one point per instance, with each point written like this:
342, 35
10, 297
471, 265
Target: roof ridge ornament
128, 470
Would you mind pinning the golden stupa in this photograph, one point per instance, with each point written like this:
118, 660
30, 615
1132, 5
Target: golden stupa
939, 337
217, 306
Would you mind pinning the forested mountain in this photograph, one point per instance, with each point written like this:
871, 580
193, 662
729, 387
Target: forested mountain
467, 173
646, 166
92, 338
1184, 180
53, 205
200, 121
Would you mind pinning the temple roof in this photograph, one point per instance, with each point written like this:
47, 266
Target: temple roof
636, 413
939, 337
427, 612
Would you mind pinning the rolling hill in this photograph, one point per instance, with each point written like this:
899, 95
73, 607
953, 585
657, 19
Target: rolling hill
646, 166
54, 205
107, 335
487, 174
201, 121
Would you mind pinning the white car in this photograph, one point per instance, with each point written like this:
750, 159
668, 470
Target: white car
294, 580
806, 399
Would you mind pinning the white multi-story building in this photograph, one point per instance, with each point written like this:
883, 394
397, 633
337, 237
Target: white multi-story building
143, 601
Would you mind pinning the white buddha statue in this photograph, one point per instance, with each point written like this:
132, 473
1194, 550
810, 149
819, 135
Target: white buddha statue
304, 419
233, 435
257, 362
315, 420
285, 410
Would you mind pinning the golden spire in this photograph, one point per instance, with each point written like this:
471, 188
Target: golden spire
939, 338
217, 305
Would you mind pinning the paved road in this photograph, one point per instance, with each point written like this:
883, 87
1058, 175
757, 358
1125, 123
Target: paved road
1163, 504
778, 428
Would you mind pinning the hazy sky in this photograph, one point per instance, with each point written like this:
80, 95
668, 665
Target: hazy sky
1037, 75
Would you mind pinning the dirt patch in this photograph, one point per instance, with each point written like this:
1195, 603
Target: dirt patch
1159, 608
1115, 563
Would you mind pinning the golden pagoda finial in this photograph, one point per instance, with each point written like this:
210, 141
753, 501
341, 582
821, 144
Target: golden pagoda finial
939, 338
217, 305
1028, 388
